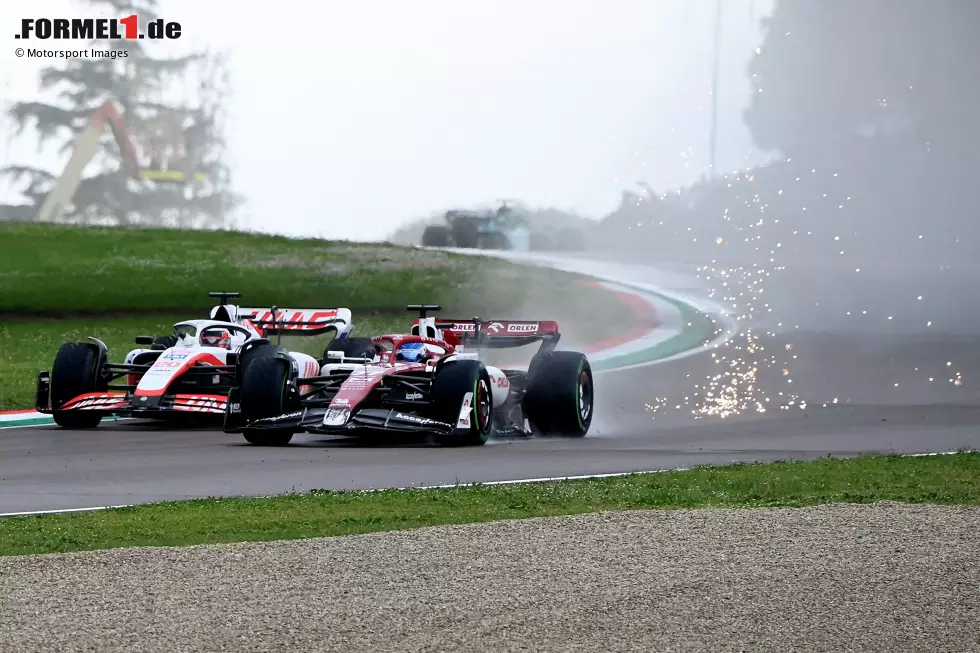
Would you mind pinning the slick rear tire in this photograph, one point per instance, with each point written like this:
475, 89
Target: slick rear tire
75, 372
495, 240
351, 348
466, 234
560, 396
265, 394
458, 386
436, 236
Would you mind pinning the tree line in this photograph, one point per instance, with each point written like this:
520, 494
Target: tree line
867, 108
173, 111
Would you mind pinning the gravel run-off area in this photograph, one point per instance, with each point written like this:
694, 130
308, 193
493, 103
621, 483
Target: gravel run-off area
884, 577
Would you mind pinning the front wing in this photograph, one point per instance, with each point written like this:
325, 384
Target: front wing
126, 404
338, 421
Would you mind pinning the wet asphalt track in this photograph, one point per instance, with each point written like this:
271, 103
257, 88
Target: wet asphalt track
46, 468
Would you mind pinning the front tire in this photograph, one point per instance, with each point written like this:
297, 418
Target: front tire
465, 233
560, 397
266, 393
455, 385
75, 372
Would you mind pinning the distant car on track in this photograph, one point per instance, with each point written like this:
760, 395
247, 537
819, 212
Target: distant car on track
503, 228
184, 374
423, 382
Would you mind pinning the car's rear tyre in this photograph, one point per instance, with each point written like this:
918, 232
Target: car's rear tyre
457, 382
494, 240
466, 233
560, 397
265, 393
75, 372
351, 348
436, 236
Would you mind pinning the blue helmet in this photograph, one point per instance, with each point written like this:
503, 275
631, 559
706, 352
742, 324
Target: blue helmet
412, 352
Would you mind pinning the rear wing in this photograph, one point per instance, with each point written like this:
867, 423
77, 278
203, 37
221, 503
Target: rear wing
495, 334
275, 321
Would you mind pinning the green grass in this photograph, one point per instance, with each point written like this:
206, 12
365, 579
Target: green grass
952, 479
60, 270
60, 283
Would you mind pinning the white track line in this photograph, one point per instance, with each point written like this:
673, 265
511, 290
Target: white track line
544, 479
52, 425
25, 426
63, 510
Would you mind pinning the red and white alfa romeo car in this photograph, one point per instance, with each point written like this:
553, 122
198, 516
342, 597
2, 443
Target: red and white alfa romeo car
188, 373
428, 381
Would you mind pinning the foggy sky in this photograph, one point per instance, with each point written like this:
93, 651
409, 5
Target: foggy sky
350, 118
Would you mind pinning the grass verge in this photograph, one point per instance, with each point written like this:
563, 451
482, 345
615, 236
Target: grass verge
61, 271
951, 479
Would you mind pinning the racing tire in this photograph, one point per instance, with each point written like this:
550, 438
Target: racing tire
251, 353
495, 240
560, 396
436, 236
265, 393
455, 383
75, 372
351, 347
465, 233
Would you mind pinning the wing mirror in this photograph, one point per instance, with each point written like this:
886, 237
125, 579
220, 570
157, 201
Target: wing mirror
144, 340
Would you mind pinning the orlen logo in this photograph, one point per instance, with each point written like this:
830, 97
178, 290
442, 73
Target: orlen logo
522, 328
464, 327
98, 29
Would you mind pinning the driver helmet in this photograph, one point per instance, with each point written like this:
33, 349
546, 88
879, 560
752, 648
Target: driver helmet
412, 352
216, 339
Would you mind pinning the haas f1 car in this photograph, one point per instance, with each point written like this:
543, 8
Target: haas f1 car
425, 382
187, 374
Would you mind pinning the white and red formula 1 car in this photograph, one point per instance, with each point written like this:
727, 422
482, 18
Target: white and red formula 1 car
429, 381
186, 374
